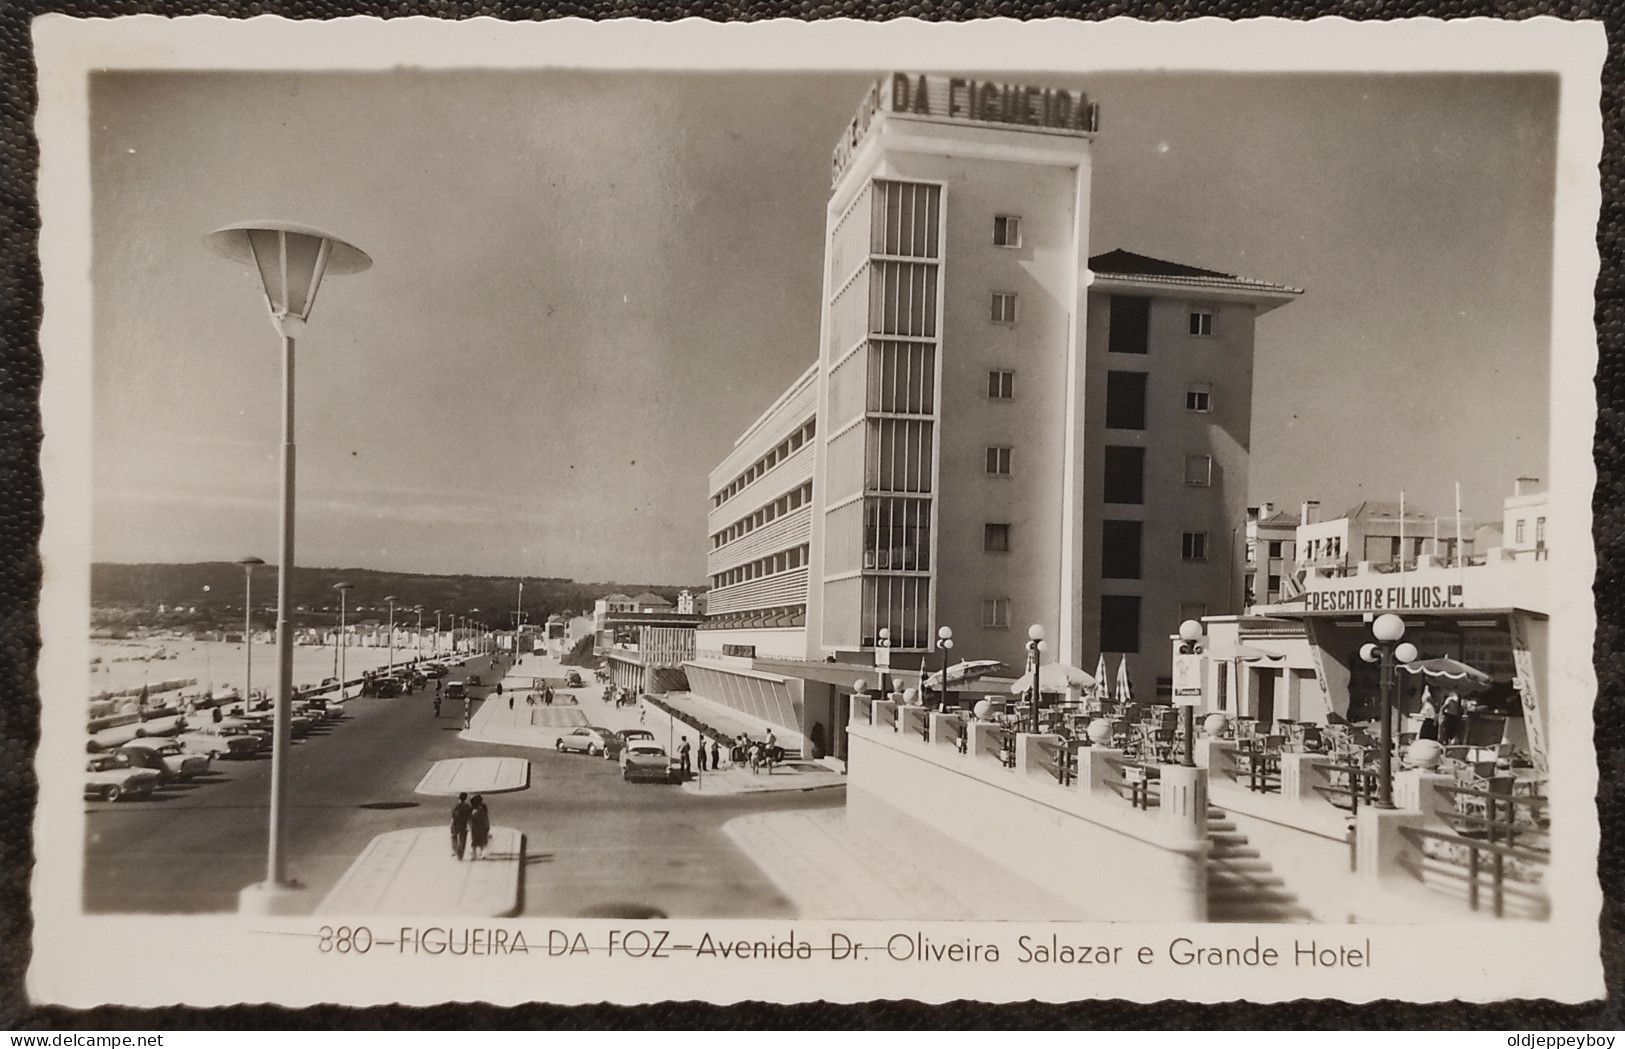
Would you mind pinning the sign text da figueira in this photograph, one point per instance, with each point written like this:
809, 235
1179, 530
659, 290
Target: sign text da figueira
967, 100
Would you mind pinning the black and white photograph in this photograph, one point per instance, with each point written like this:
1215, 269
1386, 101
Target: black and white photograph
632, 512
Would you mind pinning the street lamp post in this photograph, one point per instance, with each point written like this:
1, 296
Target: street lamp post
945, 642
291, 260
437, 633
1387, 651
343, 589
518, 619
420, 633
390, 600
248, 564
1190, 635
1035, 645
473, 632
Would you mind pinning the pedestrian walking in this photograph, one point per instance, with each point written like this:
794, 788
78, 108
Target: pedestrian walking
510, 701
683, 750
499, 688
460, 814
436, 706
702, 754
1450, 721
770, 751
479, 826
468, 716
716, 756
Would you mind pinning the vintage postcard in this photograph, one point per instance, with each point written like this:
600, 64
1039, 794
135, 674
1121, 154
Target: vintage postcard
629, 512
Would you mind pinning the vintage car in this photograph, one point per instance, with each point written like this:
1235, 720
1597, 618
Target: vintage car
381, 687
585, 739
474, 679
642, 760
173, 762
619, 741
572, 679
456, 690
223, 741
109, 777
298, 724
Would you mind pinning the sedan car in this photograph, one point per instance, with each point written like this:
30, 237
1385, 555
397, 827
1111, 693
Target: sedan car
474, 679
109, 777
619, 741
222, 741
572, 679
586, 739
172, 762
647, 761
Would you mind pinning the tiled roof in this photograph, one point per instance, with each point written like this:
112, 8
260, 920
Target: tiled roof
1130, 266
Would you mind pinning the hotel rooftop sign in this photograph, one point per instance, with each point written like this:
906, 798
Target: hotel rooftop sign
964, 100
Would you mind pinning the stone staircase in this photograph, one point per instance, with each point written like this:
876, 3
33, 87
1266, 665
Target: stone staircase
1241, 885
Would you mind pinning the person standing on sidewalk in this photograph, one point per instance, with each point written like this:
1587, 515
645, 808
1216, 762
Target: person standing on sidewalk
479, 826
770, 750
460, 814
702, 754
683, 751
716, 756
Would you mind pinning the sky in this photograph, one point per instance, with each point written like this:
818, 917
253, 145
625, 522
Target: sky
587, 284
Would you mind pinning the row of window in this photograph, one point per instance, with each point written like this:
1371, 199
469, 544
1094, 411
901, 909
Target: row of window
1124, 475
790, 444
1119, 619
1126, 399
772, 564
1128, 328
771, 512
1120, 548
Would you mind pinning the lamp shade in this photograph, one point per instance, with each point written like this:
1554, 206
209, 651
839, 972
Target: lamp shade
1388, 627
291, 259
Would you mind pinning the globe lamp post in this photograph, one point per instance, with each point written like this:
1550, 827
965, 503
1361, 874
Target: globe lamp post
1035, 645
1190, 643
1387, 651
945, 642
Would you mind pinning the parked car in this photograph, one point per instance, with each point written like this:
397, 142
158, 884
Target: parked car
642, 760
109, 777
222, 741
381, 687
572, 679
619, 741
586, 739
171, 761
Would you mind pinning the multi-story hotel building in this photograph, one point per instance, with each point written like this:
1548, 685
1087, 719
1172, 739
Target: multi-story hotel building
999, 430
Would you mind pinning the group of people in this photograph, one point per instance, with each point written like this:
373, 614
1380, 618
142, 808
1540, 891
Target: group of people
470, 826
1445, 722
543, 695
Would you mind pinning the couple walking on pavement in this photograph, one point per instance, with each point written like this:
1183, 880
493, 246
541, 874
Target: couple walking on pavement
470, 825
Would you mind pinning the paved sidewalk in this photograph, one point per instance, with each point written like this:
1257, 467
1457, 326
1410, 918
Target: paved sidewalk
453, 776
412, 871
787, 775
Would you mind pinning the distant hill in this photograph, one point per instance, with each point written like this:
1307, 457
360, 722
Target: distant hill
130, 595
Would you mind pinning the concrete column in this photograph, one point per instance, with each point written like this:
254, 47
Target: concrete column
945, 729
1379, 845
1095, 764
1218, 756
1299, 777
911, 722
1417, 791
1031, 759
983, 740
1184, 801
885, 714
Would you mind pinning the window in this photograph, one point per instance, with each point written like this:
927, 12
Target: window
1199, 397
1517, 532
1120, 549
1201, 322
1540, 532
1125, 400
1007, 231
1119, 623
1275, 585
1001, 385
1193, 546
998, 461
1275, 548
1125, 470
1129, 325
1252, 551
996, 612
996, 538
1199, 470
1004, 307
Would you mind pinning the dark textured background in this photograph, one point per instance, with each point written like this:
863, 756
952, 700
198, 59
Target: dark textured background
20, 521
